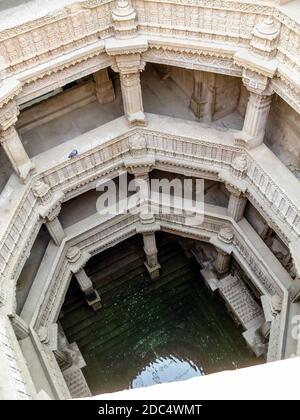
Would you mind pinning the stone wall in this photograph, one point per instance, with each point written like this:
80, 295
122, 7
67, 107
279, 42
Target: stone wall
5, 169
184, 78
227, 90
224, 91
283, 133
56, 106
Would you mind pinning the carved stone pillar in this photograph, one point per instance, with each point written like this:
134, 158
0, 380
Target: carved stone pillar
78, 260
132, 97
237, 203
222, 262
147, 227
104, 88
49, 209
151, 253
14, 149
203, 97
255, 122
129, 65
259, 66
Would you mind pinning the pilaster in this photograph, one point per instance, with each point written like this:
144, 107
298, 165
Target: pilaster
104, 87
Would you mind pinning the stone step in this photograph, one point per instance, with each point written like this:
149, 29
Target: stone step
112, 323
76, 383
110, 298
241, 302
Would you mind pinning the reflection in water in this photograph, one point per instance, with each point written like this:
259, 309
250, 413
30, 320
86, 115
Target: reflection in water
166, 369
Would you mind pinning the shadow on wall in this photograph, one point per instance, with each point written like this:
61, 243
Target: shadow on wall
5, 169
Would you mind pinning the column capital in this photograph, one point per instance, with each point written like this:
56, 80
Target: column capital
258, 85
234, 190
77, 259
226, 235
129, 65
50, 203
147, 224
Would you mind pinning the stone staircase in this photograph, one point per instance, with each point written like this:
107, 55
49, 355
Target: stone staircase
241, 304
240, 301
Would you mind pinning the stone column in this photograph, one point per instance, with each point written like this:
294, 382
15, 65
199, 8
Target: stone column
255, 122
259, 66
104, 87
222, 263
129, 65
147, 227
132, 97
151, 253
204, 94
78, 260
237, 203
14, 149
49, 209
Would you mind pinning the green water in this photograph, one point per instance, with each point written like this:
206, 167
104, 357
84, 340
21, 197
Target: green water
147, 332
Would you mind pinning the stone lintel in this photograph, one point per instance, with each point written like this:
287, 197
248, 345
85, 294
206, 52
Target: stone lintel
139, 164
56, 200
227, 248
233, 182
147, 228
248, 60
135, 45
9, 90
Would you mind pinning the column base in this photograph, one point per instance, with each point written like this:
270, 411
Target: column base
249, 142
221, 274
25, 170
153, 271
138, 118
94, 300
